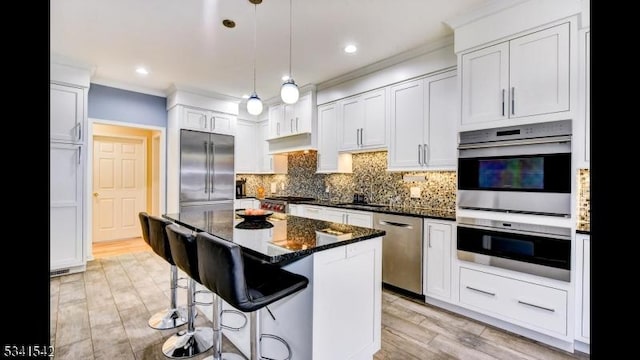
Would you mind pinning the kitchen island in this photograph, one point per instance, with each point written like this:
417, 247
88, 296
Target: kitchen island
338, 315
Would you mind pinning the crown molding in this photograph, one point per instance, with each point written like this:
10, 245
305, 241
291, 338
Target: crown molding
478, 12
393, 60
129, 87
212, 94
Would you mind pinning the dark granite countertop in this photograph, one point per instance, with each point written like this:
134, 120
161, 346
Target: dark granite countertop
281, 239
583, 228
239, 197
397, 210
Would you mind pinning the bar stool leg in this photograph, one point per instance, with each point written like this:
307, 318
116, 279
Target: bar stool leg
217, 333
255, 335
174, 316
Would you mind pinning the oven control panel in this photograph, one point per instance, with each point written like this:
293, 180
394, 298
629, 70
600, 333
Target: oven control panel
527, 131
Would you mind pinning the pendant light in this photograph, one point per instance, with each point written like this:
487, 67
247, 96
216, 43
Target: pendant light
289, 91
254, 104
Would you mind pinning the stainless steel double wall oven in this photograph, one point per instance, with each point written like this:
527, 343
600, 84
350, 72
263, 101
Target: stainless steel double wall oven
519, 169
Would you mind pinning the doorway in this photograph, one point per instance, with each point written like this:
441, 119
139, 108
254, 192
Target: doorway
125, 179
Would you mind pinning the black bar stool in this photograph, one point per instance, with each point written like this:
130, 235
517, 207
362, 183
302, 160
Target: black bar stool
193, 340
174, 316
245, 283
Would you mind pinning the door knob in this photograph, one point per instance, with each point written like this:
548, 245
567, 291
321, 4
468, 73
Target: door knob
96, 194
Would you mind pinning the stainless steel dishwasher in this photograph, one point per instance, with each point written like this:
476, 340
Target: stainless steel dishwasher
401, 251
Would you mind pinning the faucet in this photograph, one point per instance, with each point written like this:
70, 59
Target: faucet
368, 178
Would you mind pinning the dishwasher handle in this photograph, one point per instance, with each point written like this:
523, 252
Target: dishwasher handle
392, 223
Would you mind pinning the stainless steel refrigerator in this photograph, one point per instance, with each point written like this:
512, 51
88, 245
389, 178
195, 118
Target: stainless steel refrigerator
207, 177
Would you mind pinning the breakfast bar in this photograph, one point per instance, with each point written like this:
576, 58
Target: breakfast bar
338, 315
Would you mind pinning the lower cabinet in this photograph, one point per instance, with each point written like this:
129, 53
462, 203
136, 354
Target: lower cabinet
66, 206
356, 218
583, 288
246, 204
538, 307
437, 258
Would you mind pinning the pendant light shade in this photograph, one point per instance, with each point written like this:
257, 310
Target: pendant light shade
289, 92
254, 104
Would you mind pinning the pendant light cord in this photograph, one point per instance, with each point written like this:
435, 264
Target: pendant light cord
290, 32
255, 26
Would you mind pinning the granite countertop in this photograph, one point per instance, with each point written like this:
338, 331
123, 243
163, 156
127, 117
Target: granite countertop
279, 240
583, 228
397, 210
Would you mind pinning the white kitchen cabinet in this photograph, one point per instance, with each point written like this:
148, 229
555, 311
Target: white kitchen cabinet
362, 121
208, 121
423, 124
337, 215
67, 167
248, 203
437, 254
583, 288
583, 124
333, 215
245, 143
67, 114
524, 77
329, 160
292, 119
357, 218
312, 212
296, 209
537, 307
269, 164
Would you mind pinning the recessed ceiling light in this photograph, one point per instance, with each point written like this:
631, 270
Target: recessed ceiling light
350, 49
229, 23
285, 77
245, 96
142, 71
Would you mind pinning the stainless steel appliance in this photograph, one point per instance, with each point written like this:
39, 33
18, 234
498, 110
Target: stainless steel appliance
280, 203
241, 188
535, 249
524, 168
401, 251
206, 170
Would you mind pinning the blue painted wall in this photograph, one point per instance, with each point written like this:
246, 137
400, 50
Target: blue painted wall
115, 104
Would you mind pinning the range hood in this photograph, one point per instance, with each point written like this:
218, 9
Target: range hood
292, 143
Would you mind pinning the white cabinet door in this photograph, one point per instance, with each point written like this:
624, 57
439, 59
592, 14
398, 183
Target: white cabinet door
66, 114
222, 123
438, 259
295, 209
485, 82
407, 125
350, 122
539, 72
359, 219
586, 288
245, 147
195, 119
265, 162
442, 118
327, 138
276, 119
374, 119
288, 126
587, 100
66, 204
333, 215
312, 212
583, 125
303, 114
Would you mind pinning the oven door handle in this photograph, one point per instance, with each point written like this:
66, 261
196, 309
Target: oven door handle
547, 140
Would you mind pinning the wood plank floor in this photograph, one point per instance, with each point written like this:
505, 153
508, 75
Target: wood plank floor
103, 312
117, 247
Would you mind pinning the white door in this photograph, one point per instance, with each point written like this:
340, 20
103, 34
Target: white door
327, 138
539, 72
442, 119
66, 113
407, 125
289, 126
303, 114
245, 147
374, 119
65, 189
119, 187
438, 266
485, 84
350, 122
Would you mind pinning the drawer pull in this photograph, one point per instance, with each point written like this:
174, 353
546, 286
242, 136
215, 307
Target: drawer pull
481, 291
535, 306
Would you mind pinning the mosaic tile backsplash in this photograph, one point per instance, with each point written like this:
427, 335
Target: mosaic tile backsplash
584, 189
369, 177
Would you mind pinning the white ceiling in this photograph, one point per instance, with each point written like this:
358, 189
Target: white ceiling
183, 42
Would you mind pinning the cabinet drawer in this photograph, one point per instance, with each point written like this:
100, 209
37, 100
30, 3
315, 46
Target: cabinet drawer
535, 306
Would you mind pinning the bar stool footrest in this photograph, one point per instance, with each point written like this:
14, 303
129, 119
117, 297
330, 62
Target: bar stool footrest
278, 338
236, 312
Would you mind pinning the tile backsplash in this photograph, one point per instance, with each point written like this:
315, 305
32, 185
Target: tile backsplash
369, 177
584, 204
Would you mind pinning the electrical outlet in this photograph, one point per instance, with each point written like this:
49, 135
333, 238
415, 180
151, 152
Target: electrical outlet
273, 188
415, 192
326, 189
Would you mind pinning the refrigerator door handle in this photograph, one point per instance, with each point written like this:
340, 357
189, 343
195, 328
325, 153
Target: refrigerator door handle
206, 176
211, 168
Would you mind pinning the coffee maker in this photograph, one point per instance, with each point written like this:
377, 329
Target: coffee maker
241, 188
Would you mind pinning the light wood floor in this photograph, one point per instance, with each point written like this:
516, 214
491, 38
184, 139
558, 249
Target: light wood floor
118, 247
103, 312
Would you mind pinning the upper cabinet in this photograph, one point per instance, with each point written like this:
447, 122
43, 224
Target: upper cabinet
291, 119
209, 121
67, 113
362, 121
252, 150
521, 78
423, 124
583, 125
329, 161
